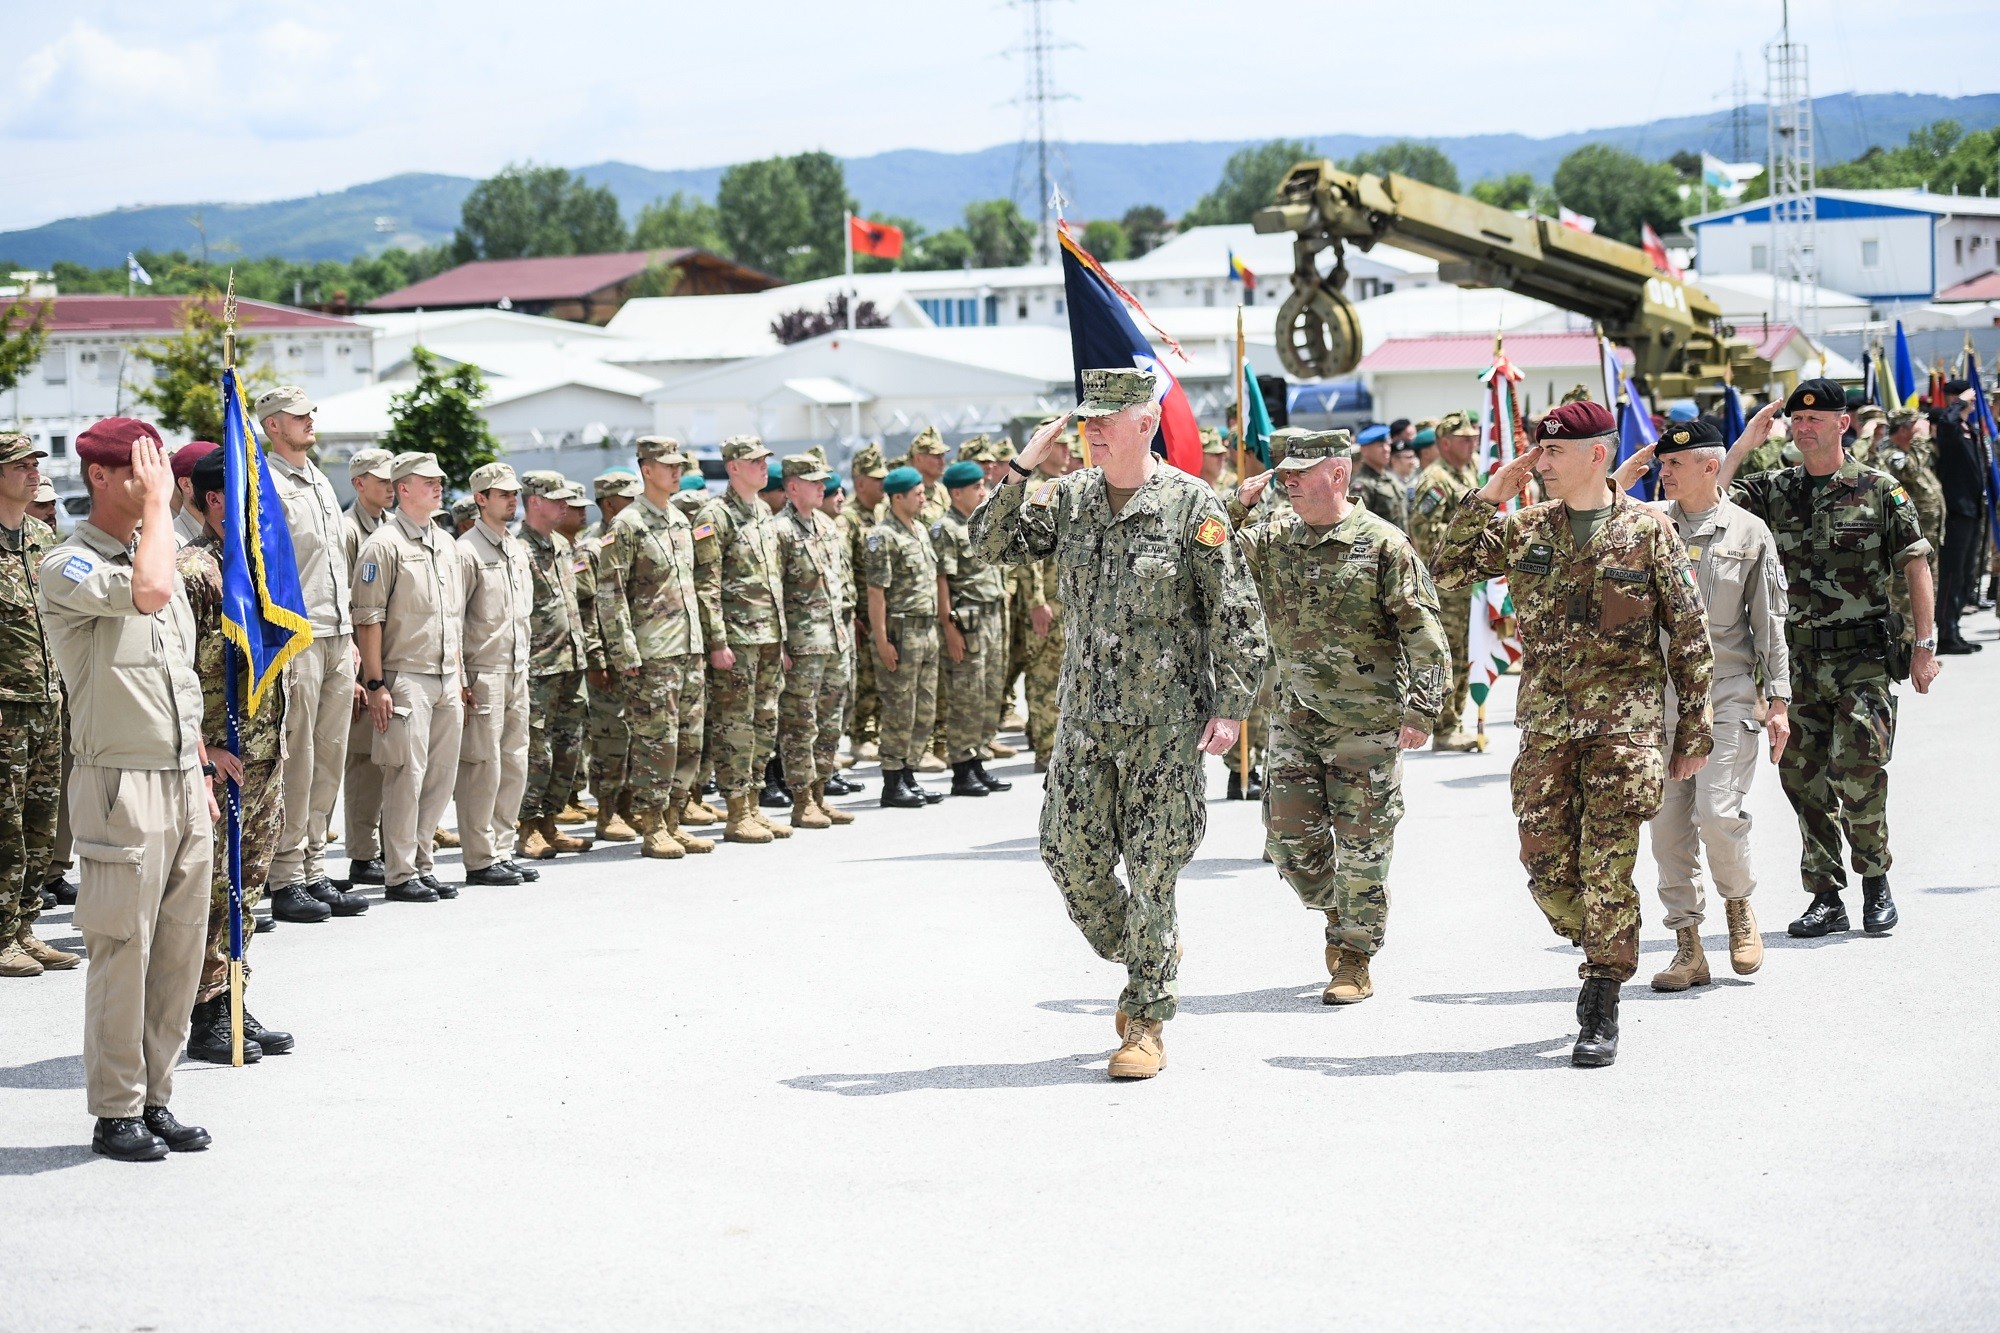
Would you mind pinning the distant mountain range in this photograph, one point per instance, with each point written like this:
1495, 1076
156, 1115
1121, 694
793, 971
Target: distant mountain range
1104, 179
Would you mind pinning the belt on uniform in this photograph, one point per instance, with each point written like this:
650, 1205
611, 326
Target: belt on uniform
1840, 639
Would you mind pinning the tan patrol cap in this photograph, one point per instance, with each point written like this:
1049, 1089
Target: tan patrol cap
414, 465
45, 494
742, 448
285, 398
370, 463
493, 477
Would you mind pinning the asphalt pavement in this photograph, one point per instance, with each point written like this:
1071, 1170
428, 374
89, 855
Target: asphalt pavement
856, 1081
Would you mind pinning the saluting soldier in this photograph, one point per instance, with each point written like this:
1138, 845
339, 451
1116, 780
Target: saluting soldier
361, 787
857, 518
1361, 665
122, 634
1843, 532
899, 567
1600, 582
1166, 643
1441, 487
1374, 485
409, 604
493, 755
818, 633
972, 620
558, 655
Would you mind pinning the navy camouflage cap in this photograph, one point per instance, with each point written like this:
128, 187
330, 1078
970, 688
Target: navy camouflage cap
1110, 391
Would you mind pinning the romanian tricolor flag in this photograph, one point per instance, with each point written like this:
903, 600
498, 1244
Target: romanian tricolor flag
1240, 272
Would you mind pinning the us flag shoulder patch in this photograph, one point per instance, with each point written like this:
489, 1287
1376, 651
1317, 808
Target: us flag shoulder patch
704, 531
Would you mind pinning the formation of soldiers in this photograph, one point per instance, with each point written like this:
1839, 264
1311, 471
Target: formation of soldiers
685, 640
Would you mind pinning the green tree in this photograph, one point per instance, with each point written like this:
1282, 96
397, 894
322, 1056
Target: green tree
766, 217
1106, 240
681, 220
824, 182
1001, 237
656, 280
1145, 225
528, 211
1419, 161
272, 278
185, 390
950, 248
1515, 190
1940, 156
439, 414
23, 331
1249, 182
1621, 190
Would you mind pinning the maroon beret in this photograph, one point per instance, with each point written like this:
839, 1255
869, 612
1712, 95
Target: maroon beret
191, 453
109, 443
1577, 421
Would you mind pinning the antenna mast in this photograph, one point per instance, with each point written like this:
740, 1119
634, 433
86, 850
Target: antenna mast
1794, 205
1039, 45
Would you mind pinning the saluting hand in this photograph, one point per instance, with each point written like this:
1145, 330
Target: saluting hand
152, 476
1042, 444
1252, 490
1512, 478
1628, 473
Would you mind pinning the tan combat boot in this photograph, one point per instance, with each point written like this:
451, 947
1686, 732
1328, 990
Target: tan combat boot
833, 814
576, 812
530, 845
15, 962
741, 825
868, 752
999, 750
445, 837
1144, 1052
1350, 984
804, 813
1456, 743
560, 841
932, 762
612, 826
1746, 946
654, 840
1690, 965
698, 811
51, 958
687, 840
776, 830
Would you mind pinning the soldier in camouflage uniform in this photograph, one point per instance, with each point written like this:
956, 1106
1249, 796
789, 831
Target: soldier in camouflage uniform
558, 654
861, 513
1440, 488
1376, 488
1912, 462
606, 726
899, 569
1600, 582
1361, 671
1166, 643
818, 633
927, 457
1215, 468
31, 704
260, 756
1844, 532
972, 620
1039, 605
656, 623
1246, 765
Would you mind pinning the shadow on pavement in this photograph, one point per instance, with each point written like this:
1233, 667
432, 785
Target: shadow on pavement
35, 1161
1087, 1068
1719, 944
1223, 867
60, 1073
1550, 1054
1476, 780
1632, 990
1277, 1000
1962, 888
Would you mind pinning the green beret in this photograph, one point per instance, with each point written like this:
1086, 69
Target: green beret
965, 472
1426, 438
694, 481
901, 479
774, 476
833, 486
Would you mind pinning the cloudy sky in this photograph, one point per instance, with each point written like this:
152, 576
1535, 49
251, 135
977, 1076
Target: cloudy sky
124, 103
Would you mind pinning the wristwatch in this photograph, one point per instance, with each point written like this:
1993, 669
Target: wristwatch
1018, 470
208, 770
1928, 645
373, 685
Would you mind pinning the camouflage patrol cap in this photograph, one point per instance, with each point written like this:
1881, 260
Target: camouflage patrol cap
549, 485
1003, 451
370, 463
660, 449
868, 462
1902, 417
743, 448
928, 441
493, 477
1308, 449
1211, 441
616, 482
463, 510
978, 449
804, 467
16, 447
1282, 439
1456, 423
1110, 391
819, 451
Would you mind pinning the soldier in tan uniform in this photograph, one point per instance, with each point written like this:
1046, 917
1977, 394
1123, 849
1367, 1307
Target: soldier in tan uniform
1440, 487
493, 756
319, 683
361, 788
123, 637
409, 595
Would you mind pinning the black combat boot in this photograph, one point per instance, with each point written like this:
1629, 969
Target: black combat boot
125, 1138
269, 1040
528, 873
1878, 909
964, 782
1253, 790
900, 791
497, 875
64, 890
342, 903
438, 886
1826, 915
410, 891
1234, 792
1597, 1024
293, 903
209, 1035
842, 785
774, 795
178, 1137
370, 871
992, 783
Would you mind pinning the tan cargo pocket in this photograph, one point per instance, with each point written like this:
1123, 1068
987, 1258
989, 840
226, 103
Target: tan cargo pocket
391, 748
107, 898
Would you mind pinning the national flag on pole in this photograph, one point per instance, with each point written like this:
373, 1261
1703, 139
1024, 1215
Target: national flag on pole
1656, 250
875, 238
1493, 642
1635, 432
263, 608
1240, 272
135, 271
1906, 370
1102, 335
1986, 434
1733, 420
1611, 371
1256, 429
1575, 221
1715, 172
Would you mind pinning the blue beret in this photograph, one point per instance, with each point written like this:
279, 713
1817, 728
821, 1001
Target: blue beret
1373, 435
963, 473
1683, 411
694, 481
901, 479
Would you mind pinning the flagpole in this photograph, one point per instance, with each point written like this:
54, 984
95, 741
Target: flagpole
232, 708
1242, 462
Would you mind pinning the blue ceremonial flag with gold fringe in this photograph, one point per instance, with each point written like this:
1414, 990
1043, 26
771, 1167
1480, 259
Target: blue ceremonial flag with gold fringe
263, 607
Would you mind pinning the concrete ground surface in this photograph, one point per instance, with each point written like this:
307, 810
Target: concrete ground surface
856, 1081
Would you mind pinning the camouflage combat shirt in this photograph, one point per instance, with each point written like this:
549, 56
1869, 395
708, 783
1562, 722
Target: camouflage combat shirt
900, 560
856, 523
587, 561
1592, 620
973, 579
1353, 618
556, 633
646, 602
811, 548
751, 571
1914, 470
27, 670
1439, 489
1161, 620
1381, 493
262, 736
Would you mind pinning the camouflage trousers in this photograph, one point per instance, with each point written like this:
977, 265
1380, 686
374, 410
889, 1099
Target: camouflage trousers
909, 693
610, 735
263, 820
1019, 631
1041, 677
1455, 610
1257, 727
864, 705
557, 711
969, 689
1580, 804
1135, 793
31, 760
743, 715
809, 709
1836, 774
654, 702
1332, 801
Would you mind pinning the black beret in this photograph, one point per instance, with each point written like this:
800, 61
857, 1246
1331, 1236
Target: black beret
1953, 388
1817, 396
1696, 434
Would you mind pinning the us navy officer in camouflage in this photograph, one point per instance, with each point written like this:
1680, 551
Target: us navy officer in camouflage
1601, 583
1361, 667
1165, 648
1843, 532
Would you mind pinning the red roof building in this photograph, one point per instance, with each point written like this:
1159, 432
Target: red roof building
1985, 287
161, 314
588, 289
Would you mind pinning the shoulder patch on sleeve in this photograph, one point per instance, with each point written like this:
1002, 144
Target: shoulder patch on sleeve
1899, 496
1428, 502
369, 569
1045, 495
874, 541
1212, 532
76, 567
704, 531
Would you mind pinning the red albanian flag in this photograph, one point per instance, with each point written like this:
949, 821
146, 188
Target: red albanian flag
875, 238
